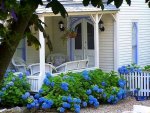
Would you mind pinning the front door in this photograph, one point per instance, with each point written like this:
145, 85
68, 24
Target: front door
84, 42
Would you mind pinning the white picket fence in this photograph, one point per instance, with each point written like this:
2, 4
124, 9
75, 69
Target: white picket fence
139, 81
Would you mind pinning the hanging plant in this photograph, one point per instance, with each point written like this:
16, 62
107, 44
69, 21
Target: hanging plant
69, 34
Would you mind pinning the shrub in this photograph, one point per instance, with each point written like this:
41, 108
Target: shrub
129, 68
12, 88
146, 68
72, 91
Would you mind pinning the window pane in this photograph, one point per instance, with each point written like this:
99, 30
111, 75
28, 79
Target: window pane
134, 42
90, 36
78, 39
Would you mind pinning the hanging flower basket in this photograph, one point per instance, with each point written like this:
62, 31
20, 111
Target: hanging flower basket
72, 34
69, 34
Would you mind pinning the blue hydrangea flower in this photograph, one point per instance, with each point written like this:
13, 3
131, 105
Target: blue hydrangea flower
49, 102
75, 100
24, 97
11, 83
27, 94
89, 91
13, 70
91, 97
104, 95
78, 100
96, 104
47, 82
85, 73
64, 98
61, 110
41, 91
91, 102
48, 75
66, 105
13, 79
84, 104
139, 70
94, 100
36, 96
69, 99
3, 89
99, 90
95, 88
52, 84
122, 83
45, 106
32, 104
111, 98
115, 100
20, 75
64, 86
29, 106
103, 83
7, 86
76, 106
42, 99
77, 110
37, 105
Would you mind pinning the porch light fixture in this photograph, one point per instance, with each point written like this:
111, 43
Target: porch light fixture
61, 26
101, 25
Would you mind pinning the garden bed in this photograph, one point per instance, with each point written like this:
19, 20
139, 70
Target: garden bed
65, 92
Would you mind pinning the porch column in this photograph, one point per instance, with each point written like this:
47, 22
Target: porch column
96, 18
116, 56
41, 55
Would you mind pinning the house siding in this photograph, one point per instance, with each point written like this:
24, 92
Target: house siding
137, 12
106, 44
59, 45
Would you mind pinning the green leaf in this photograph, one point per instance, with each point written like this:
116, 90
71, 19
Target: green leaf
94, 2
128, 2
146, 1
57, 7
32, 40
109, 1
118, 3
86, 2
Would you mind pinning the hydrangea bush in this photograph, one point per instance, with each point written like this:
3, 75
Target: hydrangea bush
72, 91
12, 88
129, 69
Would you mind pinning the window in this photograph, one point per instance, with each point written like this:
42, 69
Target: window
135, 42
20, 51
90, 36
78, 39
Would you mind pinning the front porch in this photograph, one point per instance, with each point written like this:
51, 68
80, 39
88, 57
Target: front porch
98, 47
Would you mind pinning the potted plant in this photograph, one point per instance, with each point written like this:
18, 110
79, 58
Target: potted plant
69, 33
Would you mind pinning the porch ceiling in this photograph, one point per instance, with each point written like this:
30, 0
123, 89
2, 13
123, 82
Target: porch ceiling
78, 9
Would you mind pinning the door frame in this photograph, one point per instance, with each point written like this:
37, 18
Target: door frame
71, 45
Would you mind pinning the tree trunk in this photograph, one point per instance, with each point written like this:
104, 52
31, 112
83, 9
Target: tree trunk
7, 52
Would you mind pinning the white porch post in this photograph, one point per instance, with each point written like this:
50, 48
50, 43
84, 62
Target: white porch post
41, 55
116, 56
96, 18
